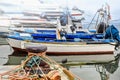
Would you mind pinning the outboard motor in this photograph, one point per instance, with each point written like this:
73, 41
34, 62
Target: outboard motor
101, 27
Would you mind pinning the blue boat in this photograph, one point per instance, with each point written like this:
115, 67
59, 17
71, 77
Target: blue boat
67, 39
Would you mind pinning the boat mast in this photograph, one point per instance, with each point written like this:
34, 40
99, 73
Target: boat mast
103, 16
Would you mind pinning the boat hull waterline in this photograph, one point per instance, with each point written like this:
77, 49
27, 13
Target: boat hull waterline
66, 48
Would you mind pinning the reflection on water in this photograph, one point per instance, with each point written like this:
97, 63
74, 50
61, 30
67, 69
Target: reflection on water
5, 50
85, 72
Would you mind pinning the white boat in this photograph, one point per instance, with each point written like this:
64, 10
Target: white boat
76, 47
65, 48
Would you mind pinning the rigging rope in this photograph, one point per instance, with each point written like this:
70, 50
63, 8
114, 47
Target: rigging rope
92, 20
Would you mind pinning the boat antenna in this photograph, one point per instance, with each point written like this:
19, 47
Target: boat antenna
108, 11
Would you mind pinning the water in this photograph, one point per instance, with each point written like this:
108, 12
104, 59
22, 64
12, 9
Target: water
3, 41
85, 72
5, 50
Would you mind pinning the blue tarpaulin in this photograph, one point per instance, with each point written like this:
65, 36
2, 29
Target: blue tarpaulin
112, 33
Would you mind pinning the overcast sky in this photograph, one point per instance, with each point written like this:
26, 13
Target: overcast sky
89, 6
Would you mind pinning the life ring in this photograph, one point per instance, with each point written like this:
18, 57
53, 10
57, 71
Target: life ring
53, 75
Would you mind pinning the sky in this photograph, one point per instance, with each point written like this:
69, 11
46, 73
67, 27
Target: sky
89, 6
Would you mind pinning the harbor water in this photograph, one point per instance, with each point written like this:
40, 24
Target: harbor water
85, 72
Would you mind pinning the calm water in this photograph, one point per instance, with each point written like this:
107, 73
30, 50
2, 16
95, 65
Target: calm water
84, 72
5, 50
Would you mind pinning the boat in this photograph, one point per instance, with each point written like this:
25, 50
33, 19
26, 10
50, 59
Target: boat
38, 66
73, 44
64, 48
65, 39
93, 49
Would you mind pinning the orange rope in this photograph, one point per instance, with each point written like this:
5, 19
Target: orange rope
61, 66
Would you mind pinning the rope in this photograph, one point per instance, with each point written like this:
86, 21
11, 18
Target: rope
60, 66
111, 33
96, 22
17, 71
91, 21
40, 69
19, 66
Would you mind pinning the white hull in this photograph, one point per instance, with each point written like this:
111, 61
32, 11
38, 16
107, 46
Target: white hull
59, 48
81, 53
